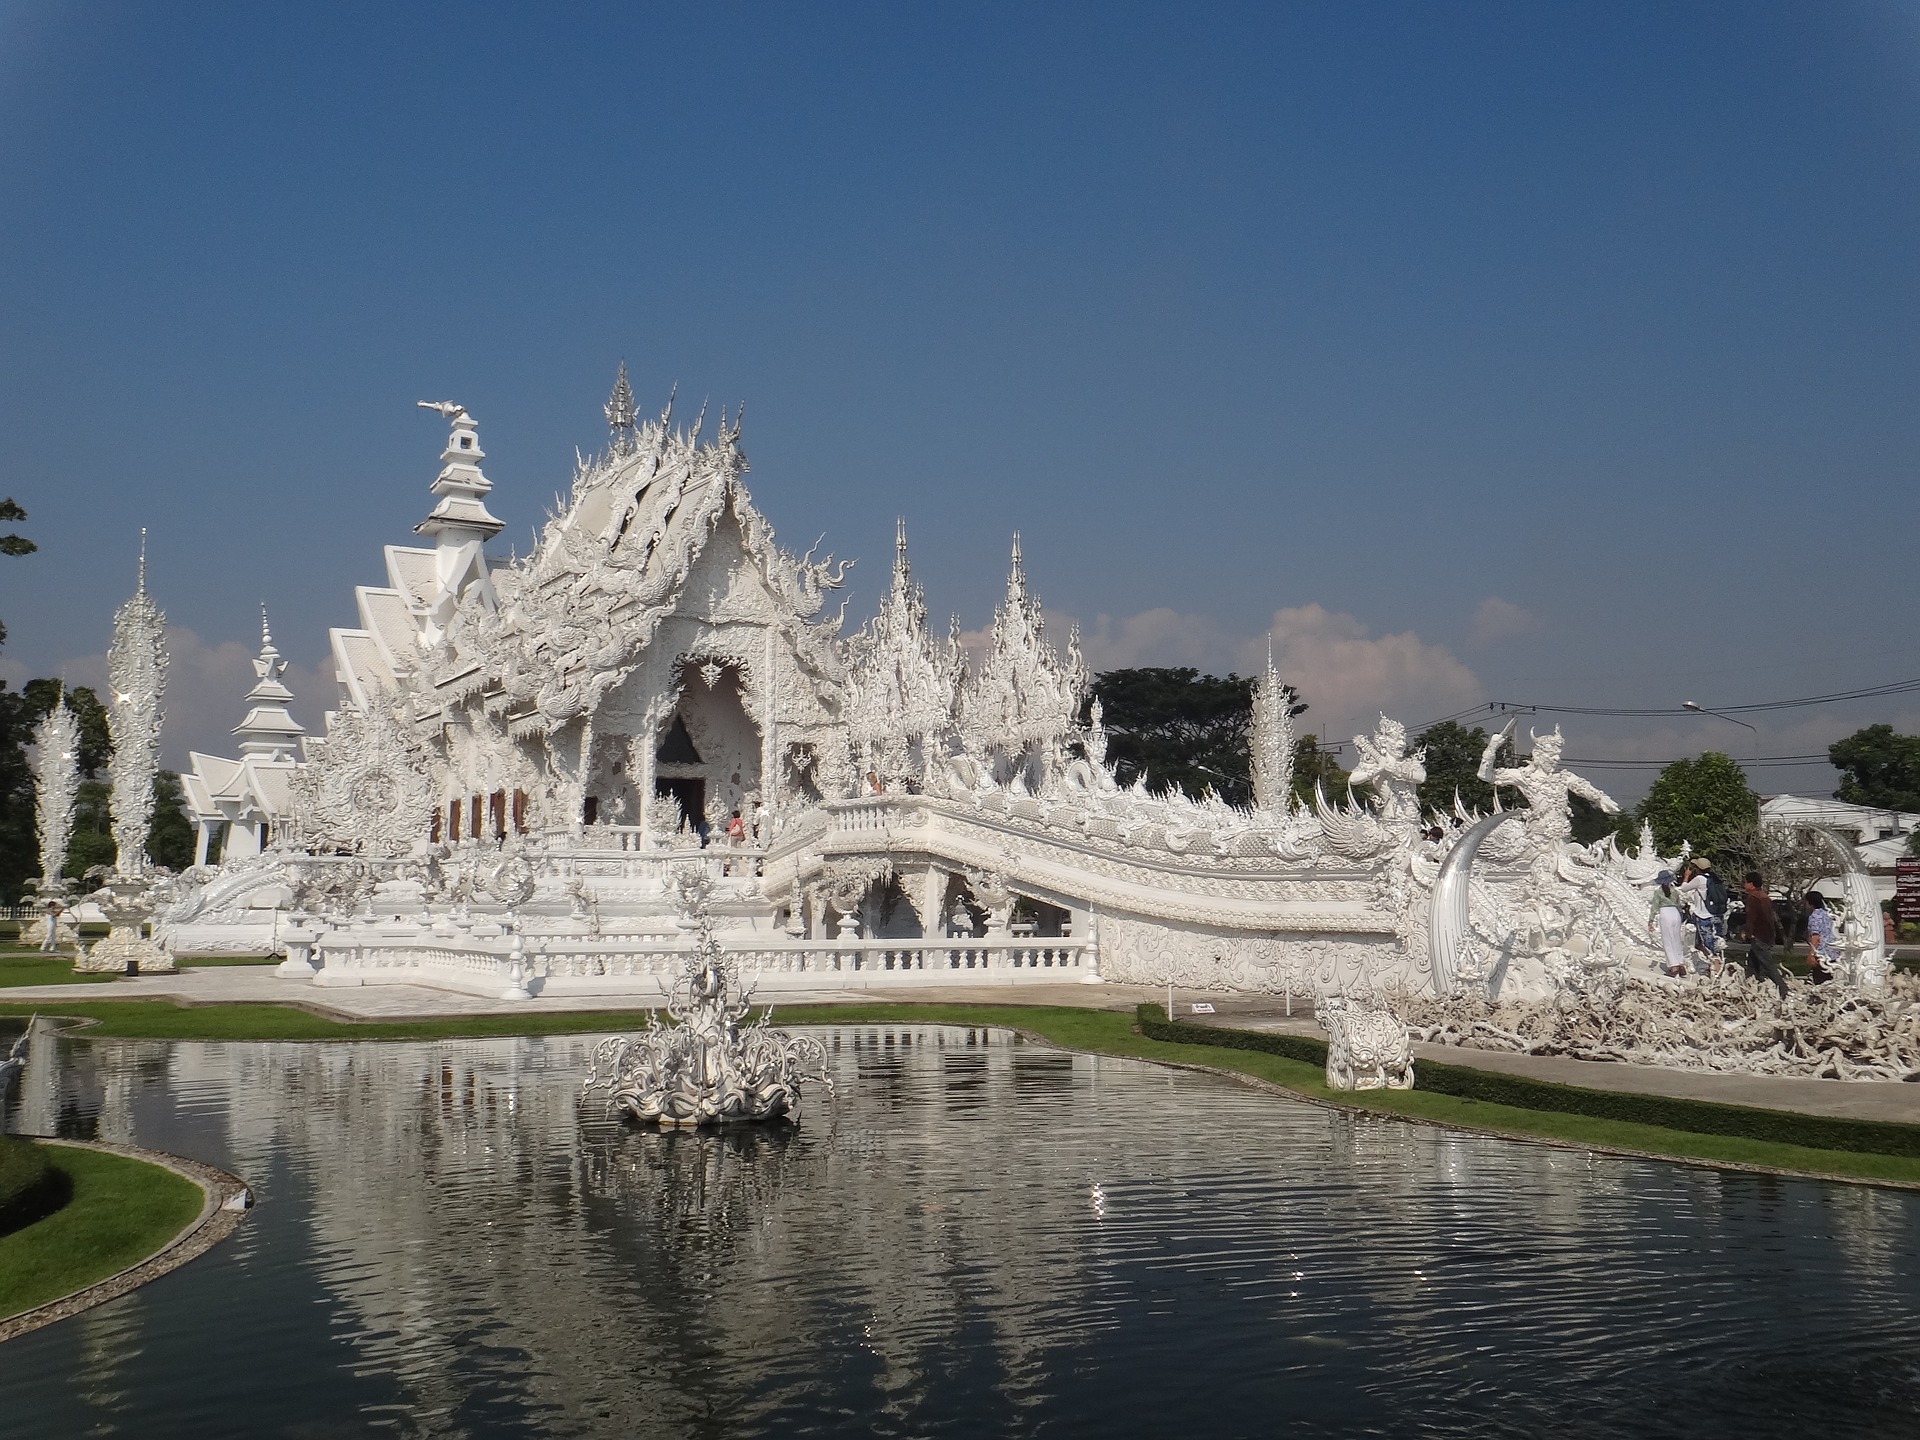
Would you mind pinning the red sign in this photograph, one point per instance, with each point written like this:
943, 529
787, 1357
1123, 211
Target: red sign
1906, 888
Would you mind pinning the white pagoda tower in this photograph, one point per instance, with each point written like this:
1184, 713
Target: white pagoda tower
250, 794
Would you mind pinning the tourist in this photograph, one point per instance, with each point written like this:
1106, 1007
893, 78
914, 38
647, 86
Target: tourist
51, 940
1663, 916
736, 830
1706, 908
1763, 933
1823, 949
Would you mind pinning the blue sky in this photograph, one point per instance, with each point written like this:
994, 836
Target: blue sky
1556, 353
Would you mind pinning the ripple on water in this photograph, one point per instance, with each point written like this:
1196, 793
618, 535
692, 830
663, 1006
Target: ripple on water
976, 1237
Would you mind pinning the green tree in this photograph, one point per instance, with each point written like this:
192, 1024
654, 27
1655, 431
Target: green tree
1179, 728
1879, 767
1453, 765
1311, 764
14, 544
92, 841
1703, 800
19, 848
170, 835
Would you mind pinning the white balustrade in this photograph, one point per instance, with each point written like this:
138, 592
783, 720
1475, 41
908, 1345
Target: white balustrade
643, 964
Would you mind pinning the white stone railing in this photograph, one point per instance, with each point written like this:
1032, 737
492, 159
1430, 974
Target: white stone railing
643, 965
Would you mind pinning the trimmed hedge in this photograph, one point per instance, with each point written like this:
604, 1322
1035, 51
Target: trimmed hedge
30, 1186
1699, 1117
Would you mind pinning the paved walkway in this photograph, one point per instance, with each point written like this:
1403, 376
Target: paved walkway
1851, 1099
1865, 1100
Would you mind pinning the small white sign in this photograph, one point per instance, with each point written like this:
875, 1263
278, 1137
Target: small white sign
1201, 1007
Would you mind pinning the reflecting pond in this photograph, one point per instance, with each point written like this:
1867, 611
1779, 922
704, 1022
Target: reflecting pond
978, 1236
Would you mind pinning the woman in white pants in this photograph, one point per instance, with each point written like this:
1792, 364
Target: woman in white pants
1664, 917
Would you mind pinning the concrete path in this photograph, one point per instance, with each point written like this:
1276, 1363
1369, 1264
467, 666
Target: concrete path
1850, 1099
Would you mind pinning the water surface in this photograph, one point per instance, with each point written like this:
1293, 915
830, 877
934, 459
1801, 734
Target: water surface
976, 1237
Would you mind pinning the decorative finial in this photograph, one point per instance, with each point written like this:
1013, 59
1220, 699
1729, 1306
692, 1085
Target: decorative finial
266, 633
140, 587
621, 415
1017, 580
900, 544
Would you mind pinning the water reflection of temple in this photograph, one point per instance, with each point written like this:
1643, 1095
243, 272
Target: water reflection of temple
463, 1180
972, 1207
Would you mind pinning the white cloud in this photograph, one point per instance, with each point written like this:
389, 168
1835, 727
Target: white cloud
1498, 619
1350, 676
1344, 672
206, 692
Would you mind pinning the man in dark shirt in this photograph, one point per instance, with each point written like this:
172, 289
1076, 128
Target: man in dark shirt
1763, 933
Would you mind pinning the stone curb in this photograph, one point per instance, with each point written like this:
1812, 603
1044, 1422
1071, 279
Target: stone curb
226, 1199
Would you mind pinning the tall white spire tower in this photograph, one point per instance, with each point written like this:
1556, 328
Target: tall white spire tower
269, 732
460, 525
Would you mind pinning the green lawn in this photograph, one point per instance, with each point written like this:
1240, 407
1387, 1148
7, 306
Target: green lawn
122, 1210
30, 967
1100, 1031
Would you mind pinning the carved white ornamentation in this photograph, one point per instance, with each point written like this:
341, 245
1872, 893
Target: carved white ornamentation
137, 680
56, 773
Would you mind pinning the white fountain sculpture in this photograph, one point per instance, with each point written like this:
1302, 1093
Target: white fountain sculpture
706, 1068
56, 743
137, 677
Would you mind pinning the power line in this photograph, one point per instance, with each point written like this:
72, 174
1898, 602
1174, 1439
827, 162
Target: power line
1529, 707
1762, 760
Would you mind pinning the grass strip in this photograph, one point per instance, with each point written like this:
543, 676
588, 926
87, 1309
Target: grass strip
1668, 1112
1098, 1031
120, 1211
34, 968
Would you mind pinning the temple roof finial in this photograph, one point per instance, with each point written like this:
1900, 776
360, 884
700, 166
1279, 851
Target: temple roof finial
621, 415
140, 585
1017, 581
900, 544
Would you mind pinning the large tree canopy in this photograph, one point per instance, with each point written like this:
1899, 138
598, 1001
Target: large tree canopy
1704, 800
1453, 765
1878, 766
1183, 729
1178, 728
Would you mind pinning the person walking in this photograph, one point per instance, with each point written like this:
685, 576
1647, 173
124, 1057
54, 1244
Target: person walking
1664, 919
1823, 949
1763, 933
1706, 905
50, 942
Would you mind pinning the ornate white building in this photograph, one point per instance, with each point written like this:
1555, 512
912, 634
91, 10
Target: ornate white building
521, 751
239, 801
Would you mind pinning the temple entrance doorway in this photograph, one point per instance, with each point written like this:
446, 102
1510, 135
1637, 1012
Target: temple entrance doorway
691, 792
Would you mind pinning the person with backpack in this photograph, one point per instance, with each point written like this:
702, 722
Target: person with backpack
1702, 889
1715, 943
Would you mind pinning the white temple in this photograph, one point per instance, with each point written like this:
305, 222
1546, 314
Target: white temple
520, 752
240, 800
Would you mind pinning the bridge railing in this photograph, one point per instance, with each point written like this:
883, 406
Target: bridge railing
557, 964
